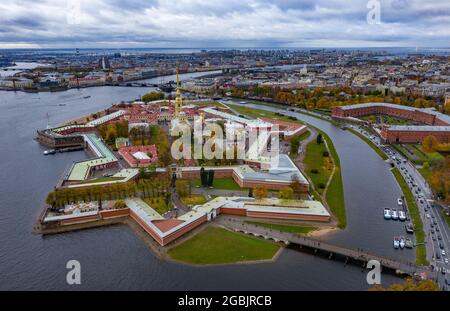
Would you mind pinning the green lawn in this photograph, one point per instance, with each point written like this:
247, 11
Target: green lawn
158, 204
218, 246
370, 143
314, 160
300, 230
194, 199
419, 156
335, 192
221, 183
101, 179
421, 256
447, 218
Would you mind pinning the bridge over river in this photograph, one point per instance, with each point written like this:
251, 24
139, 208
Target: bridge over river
358, 255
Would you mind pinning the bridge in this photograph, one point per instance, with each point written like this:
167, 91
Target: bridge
359, 255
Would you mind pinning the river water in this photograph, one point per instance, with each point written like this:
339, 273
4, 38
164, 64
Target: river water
114, 258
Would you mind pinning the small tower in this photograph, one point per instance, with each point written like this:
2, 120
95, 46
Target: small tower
178, 99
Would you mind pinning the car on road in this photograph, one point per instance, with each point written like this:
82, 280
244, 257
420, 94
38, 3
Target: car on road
443, 252
439, 237
428, 216
441, 246
437, 229
399, 201
446, 261
435, 222
433, 238
438, 255
432, 231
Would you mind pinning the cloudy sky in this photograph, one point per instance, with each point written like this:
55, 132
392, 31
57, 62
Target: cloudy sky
223, 23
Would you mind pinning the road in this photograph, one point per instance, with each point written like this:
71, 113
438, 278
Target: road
435, 227
416, 182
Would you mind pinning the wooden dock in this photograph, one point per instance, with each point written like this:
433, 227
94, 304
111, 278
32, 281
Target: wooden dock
362, 256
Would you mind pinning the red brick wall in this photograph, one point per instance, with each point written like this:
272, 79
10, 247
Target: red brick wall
175, 235
79, 219
233, 211
415, 115
114, 213
146, 228
287, 216
412, 136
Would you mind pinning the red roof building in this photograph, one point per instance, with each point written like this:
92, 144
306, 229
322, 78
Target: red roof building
139, 156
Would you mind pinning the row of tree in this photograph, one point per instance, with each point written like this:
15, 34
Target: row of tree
325, 98
152, 96
115, 191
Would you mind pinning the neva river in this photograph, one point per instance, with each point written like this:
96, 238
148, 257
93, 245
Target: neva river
114, 258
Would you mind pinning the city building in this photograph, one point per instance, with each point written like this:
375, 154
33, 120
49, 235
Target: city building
436, 123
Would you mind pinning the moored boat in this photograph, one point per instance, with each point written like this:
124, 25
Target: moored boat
387, 213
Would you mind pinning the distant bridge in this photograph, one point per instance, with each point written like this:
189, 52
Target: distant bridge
399, 266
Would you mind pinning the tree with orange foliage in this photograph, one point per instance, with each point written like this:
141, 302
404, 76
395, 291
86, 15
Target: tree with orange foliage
410, 284
430, 144
260, 192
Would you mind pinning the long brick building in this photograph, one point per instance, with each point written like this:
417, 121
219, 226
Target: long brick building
435, 123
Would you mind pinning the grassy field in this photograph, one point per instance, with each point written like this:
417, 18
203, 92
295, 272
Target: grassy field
335, 192
370, 143
300, 230
221, 183
421, 256
158, 204
218, 246
447, 218
419, 156
101, 179
315, 161
194, 199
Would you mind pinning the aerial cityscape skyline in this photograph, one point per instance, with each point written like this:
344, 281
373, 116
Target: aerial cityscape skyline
248, 24
178, 148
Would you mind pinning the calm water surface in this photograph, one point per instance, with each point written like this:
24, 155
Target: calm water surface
114, 258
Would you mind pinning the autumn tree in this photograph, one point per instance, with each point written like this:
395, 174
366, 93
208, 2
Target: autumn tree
260, 192
430, 144
410, 284
286, 193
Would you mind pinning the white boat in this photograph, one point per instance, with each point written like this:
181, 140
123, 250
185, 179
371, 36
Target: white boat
387, 213
396, 243
51, 151
401, 215
402, 243
394, 214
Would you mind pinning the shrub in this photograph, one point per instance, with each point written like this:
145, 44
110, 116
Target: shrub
314, 171
321, 185
326, 154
